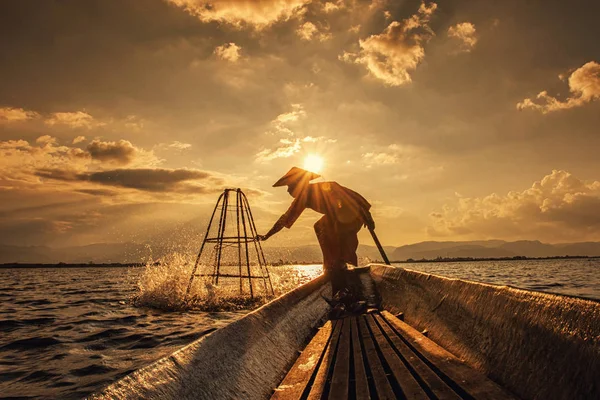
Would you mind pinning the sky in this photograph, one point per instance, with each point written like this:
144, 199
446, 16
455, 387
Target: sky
123, 121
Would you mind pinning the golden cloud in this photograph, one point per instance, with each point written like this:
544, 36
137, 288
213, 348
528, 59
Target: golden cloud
257, 14
309, 31
465, 32
228, 52
71, 119
584, 85
46, 140
20, 160
331, 6
77, 119
558, 207
284, 125
180, 145
392, 54
9, 114
65, 170
287, 148
121, 152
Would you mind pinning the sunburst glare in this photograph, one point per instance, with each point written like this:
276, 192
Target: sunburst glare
313, 163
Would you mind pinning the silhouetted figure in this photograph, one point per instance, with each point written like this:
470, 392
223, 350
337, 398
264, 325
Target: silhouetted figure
345, 212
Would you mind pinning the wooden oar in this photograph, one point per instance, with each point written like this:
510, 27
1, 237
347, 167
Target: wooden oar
379, 246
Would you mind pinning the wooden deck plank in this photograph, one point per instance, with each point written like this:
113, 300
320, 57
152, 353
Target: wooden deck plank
370, 342
382, 386
429, 377
410, 387
299, 375
471, 381
360, 377
316, 392
341, 371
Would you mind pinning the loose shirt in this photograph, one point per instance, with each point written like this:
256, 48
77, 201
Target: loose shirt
332, 199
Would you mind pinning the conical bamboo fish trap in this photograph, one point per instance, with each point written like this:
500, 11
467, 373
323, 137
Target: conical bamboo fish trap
236, 257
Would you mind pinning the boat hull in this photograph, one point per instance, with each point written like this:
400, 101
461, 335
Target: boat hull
537, 345
243, 360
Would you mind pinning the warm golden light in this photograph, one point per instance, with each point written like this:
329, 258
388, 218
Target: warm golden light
313, 163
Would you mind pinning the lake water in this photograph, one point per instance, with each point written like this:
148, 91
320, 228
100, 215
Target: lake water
65, 333
574, 277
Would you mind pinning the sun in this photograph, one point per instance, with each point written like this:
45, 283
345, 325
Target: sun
313, 163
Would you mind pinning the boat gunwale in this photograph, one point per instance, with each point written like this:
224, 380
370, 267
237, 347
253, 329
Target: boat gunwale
167, 384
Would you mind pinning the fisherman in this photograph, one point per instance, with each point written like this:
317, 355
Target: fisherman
345, 212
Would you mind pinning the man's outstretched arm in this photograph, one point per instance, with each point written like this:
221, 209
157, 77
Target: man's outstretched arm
276, 228
286, 220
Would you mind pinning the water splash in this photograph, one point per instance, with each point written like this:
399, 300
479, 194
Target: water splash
163, 286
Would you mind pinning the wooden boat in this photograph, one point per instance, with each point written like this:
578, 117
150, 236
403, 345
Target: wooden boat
481, 342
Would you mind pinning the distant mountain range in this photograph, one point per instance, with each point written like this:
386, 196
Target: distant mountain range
134, 252
494, 249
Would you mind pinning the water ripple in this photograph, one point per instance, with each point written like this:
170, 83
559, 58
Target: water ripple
69, 336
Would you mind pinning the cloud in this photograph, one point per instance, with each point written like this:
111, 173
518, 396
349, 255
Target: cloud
309, 31
78, 139
354, 28
284, 123
559, 207
228, 52
292, 116
20, 160
98, 192
180, 146
46, 140
584, 86
9, 114
145, 179
392, 54
240, 13
289, 147
382, 158
322, 139
134, 123
121, 152
465, 32
77, 119
331, 6
393, 154
175, 147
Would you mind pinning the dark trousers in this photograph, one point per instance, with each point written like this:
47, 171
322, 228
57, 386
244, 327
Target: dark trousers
338, 242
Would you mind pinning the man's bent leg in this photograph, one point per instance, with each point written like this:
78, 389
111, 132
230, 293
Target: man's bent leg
328, 242
348, 242
333, 263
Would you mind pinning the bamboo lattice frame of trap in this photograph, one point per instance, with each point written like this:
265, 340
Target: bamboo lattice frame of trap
244, 225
